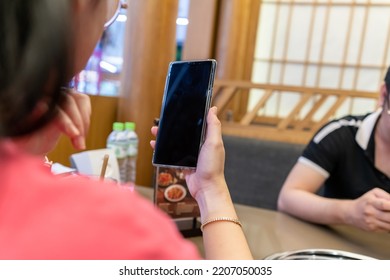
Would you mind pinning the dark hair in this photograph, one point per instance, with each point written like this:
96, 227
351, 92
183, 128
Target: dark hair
34, 62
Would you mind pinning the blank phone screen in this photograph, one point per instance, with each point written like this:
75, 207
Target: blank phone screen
183, 114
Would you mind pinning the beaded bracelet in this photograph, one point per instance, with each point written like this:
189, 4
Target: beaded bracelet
221, 219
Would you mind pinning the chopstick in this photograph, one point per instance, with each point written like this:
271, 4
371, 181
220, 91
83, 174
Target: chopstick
104, 167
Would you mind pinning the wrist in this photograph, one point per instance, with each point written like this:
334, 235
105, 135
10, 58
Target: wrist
215, 201
345, 213
220, 219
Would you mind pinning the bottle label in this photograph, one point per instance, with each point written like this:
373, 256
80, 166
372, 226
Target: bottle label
119, 150
132, 149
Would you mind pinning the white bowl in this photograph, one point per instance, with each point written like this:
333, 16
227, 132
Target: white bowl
175, 193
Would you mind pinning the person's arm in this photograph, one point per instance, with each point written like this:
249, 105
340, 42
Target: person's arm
222, 239
370, 212
298, 197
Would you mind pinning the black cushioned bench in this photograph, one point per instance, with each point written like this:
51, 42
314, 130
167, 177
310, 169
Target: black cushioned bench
256, 169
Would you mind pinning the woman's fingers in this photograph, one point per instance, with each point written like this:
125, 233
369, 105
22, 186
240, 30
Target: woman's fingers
74, 118
83, 107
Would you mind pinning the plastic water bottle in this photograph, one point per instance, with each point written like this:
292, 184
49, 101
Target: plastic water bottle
117, 141
132, 152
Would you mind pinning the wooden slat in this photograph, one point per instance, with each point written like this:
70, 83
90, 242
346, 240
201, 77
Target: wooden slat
309, 43
308, 118
323, 41
330, 112
346, 46
273, 41
286, 121
252, 114
291, 128
267, 133
266, 120
223, 97
285, 54
360, 52
361, 47
323, 91
368, 65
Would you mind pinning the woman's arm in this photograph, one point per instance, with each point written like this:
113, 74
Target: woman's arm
223, 239
370, 212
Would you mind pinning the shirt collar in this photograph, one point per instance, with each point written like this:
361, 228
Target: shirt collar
366, 129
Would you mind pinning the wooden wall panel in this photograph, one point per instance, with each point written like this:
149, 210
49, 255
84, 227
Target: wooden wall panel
150, 46
200, 38
235, 45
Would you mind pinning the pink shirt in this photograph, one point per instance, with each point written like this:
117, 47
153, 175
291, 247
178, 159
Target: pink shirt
45, 217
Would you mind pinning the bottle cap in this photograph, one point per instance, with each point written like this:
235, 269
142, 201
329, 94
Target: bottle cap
117, 126
130, 126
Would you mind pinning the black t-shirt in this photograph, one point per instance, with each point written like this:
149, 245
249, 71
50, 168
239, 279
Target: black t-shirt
344, 152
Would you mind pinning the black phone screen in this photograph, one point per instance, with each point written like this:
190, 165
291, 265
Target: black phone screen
182, 120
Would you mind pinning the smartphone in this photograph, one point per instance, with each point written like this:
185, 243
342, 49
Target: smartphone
186, 101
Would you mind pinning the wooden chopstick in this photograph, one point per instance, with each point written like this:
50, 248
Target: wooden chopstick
104, 167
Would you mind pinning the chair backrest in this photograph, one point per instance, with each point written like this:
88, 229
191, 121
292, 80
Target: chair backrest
255, 169
90, 163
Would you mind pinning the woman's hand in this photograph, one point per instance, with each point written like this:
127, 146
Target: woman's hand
73, 120
371, 211
209, 175
222, 239
210, 168
207, 184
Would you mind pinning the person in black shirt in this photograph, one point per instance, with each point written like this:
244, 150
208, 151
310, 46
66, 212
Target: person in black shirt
350, 157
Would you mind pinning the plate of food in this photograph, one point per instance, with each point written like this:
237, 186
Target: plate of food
165, 179
175, 193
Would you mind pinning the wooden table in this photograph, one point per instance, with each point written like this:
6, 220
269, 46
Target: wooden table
269, 232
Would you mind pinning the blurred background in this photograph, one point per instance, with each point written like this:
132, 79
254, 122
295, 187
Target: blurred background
285, 67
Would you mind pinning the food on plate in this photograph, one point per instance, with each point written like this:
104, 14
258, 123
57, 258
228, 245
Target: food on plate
175, 193
165, 179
